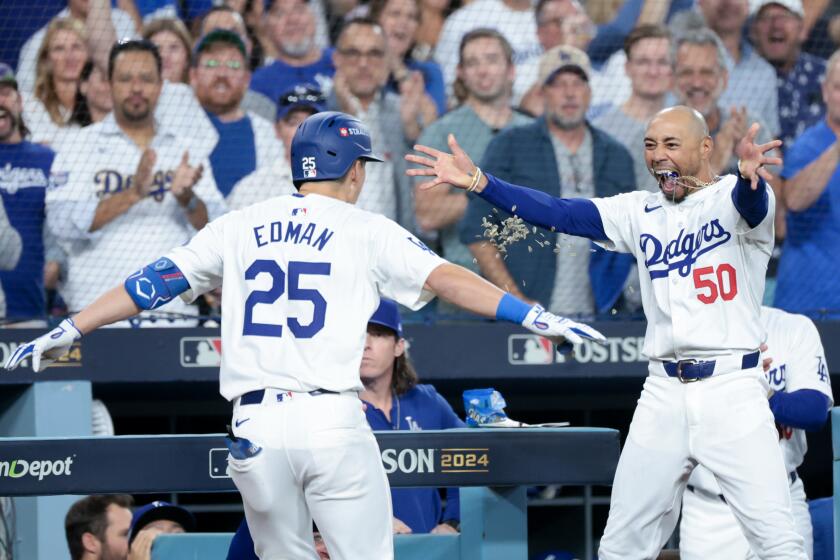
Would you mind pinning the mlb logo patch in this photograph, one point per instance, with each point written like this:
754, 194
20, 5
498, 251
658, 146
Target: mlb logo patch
201, 351
343, 131
530, 349
298, 211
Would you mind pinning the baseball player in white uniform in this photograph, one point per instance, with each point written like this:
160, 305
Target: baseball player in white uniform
801, 385
701, 245
302, 274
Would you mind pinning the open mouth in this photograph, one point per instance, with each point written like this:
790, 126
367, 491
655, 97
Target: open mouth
668, 179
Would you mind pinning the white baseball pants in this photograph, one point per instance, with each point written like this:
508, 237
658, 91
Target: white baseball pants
723, 423
320, 461
709, 530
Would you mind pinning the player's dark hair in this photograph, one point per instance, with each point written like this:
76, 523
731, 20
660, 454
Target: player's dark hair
405, 376
647, 31
133, 45
90, 515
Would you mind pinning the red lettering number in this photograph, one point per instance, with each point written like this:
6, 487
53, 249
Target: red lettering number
726, 287
703, 283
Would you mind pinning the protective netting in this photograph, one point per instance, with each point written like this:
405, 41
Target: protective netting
106, 161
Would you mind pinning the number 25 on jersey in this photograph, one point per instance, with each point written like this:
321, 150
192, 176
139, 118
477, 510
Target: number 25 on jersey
277, 289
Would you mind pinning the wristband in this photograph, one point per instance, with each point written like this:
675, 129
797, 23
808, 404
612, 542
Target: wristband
476, 179
512, 309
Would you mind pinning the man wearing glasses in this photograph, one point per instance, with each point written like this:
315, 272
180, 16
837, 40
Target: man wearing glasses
361, 74
220, 78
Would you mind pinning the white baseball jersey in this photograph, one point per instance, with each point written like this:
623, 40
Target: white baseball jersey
302, 276
102, 162
701, 268
798, 363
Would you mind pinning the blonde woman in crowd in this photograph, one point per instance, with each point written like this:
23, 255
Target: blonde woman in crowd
174, 43
61, 58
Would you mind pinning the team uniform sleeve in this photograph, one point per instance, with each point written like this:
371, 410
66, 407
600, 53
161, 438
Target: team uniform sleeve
575, 216
806, 365
617, 219
401, 264
202, 260
756, 208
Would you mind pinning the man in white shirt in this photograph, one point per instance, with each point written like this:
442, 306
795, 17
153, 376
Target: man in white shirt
126, 189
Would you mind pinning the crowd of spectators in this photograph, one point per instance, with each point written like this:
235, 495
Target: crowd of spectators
125, 127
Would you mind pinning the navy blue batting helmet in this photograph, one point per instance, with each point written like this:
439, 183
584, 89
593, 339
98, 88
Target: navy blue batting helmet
325, 146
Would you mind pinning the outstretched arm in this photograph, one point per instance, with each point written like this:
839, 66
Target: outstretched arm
573, 216
469, 291
112, 306
148, 288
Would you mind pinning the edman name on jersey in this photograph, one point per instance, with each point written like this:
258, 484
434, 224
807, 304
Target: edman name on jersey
291, 232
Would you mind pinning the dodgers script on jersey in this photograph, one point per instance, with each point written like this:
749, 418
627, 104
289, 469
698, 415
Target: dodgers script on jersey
285, 324
695, 256
100, 164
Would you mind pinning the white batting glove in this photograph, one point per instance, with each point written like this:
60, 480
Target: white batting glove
559, 329
47, 348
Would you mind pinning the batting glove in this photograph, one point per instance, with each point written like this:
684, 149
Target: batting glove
560, 330
47, 348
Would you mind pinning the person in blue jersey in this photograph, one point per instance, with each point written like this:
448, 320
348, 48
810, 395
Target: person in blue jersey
220, 79
24, 175
394, 401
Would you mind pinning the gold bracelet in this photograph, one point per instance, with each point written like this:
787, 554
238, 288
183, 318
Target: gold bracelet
476, 179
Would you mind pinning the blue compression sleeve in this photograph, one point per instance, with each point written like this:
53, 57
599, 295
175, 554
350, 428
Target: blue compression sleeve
751, 204
806, 409
512, 309
156, 284
575, 216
